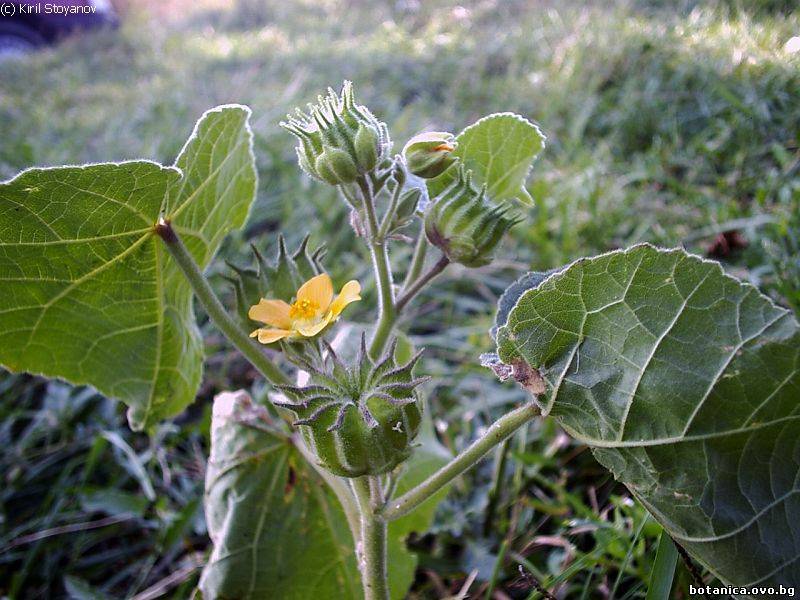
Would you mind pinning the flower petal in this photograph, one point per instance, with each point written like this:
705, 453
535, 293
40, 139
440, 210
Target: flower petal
317, 290
267, 336
313, 328
350, 293
271, 312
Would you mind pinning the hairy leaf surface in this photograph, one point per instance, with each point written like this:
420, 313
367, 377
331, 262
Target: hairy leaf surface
278, 529
88, 292
500, 150
685, 382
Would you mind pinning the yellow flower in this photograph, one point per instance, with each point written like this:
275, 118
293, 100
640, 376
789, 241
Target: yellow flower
312, 311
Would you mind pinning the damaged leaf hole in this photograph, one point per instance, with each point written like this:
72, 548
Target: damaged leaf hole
528, 377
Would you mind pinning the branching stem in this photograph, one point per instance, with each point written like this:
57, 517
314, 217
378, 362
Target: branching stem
418, 259
212, 305
421, 282
389, 309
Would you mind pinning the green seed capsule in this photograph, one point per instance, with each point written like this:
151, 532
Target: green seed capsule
336, 166
359, 419
367, 146
464, 224
430, 154
338, 140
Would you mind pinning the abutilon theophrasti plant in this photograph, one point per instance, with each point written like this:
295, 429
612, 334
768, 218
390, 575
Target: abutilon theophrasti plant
682, 380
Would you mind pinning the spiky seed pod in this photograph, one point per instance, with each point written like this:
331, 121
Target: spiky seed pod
339, 140
464, 224
359, 419
280, 279
430, 154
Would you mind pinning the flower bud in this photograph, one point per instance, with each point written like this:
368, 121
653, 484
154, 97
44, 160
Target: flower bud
407, 197
359, 419
464, 224
366, 143
430, 154
406, 208
339, 140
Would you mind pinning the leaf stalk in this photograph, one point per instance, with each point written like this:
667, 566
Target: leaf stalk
497, 433
212, 305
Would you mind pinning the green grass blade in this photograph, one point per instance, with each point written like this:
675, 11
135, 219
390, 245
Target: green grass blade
663, 569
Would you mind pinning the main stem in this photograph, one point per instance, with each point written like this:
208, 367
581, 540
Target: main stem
389, 308
499, 431
214, 307
372, 545
383, 273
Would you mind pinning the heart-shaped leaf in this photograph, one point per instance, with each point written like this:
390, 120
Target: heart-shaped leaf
499, 149
89, 293
685, 382
278, 529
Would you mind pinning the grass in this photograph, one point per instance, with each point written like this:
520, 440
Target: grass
666, 123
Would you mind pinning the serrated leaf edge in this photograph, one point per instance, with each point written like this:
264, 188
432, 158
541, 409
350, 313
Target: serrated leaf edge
542, 138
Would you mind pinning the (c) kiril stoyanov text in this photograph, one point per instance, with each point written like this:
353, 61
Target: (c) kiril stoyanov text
49, 8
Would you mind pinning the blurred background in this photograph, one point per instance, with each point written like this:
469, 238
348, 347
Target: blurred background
676, 123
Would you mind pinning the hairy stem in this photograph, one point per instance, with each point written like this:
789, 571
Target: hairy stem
421, 282
383, 274
418, 259
216, 311
386, 223
372, 544
386, 308
499, 431
368, 198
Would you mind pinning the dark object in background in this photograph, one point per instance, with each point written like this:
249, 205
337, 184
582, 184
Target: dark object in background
725, 244
34, 23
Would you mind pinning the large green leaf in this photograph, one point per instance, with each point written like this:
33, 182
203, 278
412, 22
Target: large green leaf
500, 150
88, 292
278, 529
686, 384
